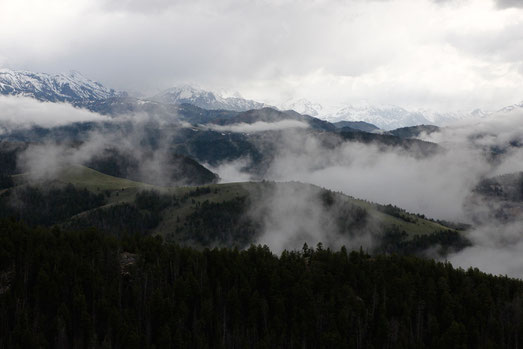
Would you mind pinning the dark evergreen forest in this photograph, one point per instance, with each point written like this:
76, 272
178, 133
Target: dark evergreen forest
86, 289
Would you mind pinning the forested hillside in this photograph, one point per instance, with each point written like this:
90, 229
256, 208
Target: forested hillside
85, 289
226, 215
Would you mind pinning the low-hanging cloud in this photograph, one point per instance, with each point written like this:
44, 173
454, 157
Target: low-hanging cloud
232, 171
127, 145
292, 214
437, 185
259, 126
45, 161
21, 112
497, 248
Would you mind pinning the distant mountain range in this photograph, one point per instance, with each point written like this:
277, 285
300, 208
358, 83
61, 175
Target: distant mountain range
69, 87
511, 108
74, 88
303, 106
386, 117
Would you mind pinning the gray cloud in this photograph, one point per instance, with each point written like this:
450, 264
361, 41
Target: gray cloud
325, 50
138, 6
509, 3
495, 46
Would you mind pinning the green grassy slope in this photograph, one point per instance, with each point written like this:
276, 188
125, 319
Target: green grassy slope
85, 177
198, 210
125, 190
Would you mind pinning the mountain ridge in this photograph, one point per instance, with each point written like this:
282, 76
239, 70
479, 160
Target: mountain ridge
75, 88
64, 87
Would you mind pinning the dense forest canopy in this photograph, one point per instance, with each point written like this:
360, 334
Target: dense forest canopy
86, 289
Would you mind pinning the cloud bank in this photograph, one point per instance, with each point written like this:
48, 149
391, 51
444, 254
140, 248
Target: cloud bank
20, 112
439, 185
293, 214
259, 126
509, 3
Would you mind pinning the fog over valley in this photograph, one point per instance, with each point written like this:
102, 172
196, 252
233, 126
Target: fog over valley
431, 171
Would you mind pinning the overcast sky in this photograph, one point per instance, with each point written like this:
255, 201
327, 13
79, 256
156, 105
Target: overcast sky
439, 54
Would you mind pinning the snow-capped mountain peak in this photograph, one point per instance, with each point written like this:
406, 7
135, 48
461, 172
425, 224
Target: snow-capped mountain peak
75, 88
511, 108
205, 99
385, 116
303, 106
68, 87
184, 92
